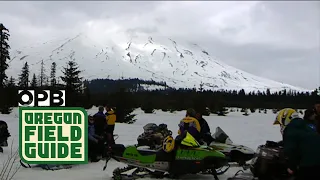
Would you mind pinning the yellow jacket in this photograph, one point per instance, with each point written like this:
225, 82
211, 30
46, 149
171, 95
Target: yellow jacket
192, 121
111, 117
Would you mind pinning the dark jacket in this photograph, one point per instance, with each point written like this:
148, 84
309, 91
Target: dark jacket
205, 133
205, 129
99, 122
301, 144
92, 134
318, 122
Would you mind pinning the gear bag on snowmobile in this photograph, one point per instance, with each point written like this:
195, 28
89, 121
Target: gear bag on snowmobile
269, 161
153, 135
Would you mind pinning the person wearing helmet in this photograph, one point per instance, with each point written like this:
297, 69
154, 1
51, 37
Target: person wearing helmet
190, 124
301, 144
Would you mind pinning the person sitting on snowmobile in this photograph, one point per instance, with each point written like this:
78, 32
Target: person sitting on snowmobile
205, 133
189, 124
111, 120
95, 143
301, 144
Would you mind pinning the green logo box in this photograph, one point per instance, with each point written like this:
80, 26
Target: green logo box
53, 135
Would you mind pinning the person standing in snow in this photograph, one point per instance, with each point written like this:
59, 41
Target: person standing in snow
301, 144
99, 126
95, 142
111, 119
100, 121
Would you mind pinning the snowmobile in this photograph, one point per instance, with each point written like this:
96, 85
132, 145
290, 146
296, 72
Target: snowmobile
236, 153
4, 135
153, 136
177, 157
269, 163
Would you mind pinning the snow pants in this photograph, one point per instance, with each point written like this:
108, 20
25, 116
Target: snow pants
109, 132
308, 173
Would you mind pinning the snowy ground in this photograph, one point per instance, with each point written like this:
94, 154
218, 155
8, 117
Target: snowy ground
250, 131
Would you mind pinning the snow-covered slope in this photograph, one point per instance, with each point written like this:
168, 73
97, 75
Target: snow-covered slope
180, 64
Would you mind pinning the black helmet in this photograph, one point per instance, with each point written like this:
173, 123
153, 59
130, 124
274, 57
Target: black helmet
191, 112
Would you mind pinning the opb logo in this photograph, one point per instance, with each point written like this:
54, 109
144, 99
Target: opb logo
41, 98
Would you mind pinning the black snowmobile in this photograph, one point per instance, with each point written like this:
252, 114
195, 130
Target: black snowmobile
269, 163
4, 135
175, 158
236, 153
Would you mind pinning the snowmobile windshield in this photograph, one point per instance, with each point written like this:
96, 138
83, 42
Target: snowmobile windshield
221, 136
189, 140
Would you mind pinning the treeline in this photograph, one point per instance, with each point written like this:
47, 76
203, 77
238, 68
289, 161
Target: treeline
128, 94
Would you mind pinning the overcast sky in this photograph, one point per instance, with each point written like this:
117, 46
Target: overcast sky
276, 40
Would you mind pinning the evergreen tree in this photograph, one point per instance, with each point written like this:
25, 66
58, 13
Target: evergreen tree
42, 75
4, 54
123, 100
86, 95
53, 80
34, 81
4, 57
73, 83
24, 76
11, 92
11, 82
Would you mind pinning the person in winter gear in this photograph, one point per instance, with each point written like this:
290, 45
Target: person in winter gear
4, 134
111, 119
317, 112
301, 144
310, 116
190, 124
95, 143
205, 133
100, 121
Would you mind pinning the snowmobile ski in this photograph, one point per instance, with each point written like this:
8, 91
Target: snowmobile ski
241, 175
51, 167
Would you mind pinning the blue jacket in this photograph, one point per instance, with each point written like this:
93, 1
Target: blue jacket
91, 133
99, 122
99, 114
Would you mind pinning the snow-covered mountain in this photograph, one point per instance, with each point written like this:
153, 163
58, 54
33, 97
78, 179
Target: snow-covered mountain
180, 64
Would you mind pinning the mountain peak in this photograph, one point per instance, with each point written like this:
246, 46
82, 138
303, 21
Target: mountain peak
179, 64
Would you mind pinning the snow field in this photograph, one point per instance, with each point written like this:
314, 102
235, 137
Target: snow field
250, 131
